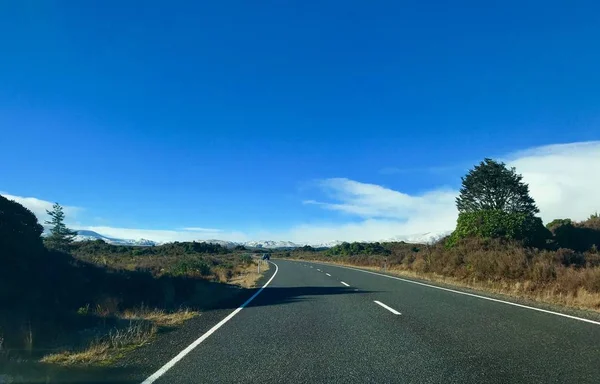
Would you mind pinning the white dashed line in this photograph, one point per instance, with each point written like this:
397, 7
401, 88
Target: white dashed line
190, 347
347, 285
474, 295
386, 307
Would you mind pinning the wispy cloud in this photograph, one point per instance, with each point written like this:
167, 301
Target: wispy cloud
374, 201
562, 179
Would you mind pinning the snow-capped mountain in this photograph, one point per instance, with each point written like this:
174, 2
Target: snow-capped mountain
328, 244
222, 243
270, 244
85, 235
423, 238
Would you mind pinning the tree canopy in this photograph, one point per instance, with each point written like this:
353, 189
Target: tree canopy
19, 228
492, 186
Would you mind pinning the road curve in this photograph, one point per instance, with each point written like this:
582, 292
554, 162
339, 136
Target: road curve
328, 324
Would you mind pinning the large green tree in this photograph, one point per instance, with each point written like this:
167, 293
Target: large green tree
60, 236
492, 186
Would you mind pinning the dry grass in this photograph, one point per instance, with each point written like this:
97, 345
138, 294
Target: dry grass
248, 276
144, 323
159, 317
97, 353
550, 293
106, 349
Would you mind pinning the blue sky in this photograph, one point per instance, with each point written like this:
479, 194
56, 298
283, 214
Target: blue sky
256, 118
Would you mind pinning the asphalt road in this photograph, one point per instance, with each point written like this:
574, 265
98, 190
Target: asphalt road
328, 324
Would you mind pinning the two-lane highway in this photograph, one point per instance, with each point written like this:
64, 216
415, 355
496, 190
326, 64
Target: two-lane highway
318, 323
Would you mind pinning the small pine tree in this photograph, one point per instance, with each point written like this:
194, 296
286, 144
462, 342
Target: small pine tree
60, 236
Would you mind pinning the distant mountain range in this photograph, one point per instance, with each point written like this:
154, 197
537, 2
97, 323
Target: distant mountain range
85, 235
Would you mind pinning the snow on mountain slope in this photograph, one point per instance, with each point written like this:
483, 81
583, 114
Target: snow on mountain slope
427, 238
423, 238
85, 235
328, 244
271, 244
222, 243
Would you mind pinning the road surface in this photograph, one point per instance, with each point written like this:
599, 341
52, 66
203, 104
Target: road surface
318, 323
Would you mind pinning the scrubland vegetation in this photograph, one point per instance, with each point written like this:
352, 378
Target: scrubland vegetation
499, 245
87, 303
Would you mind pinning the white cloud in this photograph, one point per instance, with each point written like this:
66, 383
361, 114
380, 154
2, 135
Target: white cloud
563, 179
39, 207
374, 201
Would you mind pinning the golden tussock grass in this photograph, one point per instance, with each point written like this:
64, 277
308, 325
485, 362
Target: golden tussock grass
107, 348
248, 276
160, 317
144, 323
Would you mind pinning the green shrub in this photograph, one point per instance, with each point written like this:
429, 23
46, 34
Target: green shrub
499, 224
580, 237
246, 259
189, 267
19, 230
569, 257
348, 249
557, 223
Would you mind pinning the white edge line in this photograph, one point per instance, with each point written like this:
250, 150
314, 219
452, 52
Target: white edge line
328, 274
161, 371
386, 307
473, 295
347, 285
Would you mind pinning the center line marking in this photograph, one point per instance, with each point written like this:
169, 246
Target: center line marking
347, 285
388, 308
328, 274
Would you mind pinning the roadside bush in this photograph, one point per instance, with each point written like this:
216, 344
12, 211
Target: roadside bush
499, 224
347, 249
543, 270
569, 257
246, 259
592, 280
20, 232
557, 223
576, 236
187, 267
